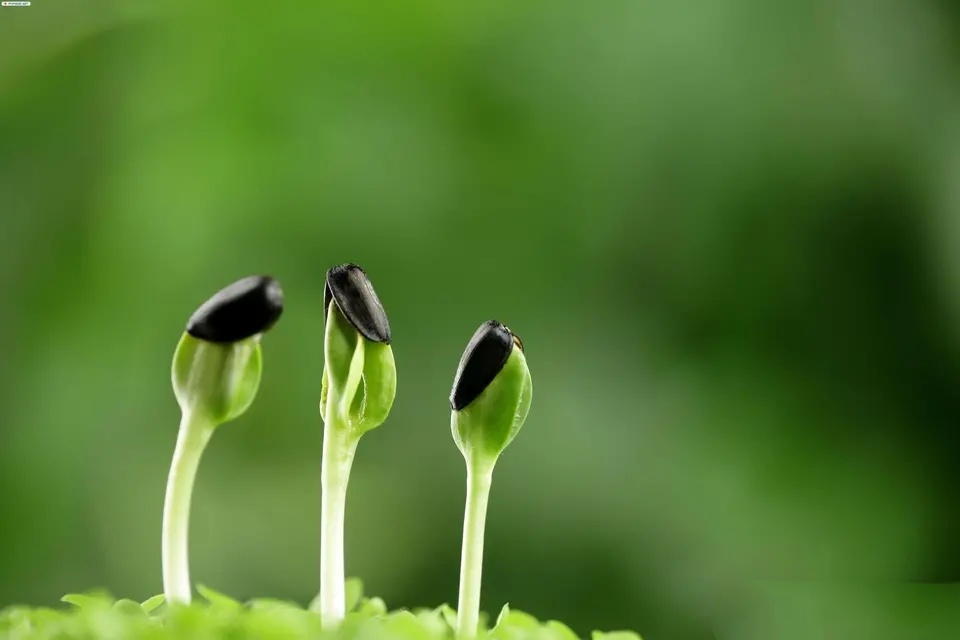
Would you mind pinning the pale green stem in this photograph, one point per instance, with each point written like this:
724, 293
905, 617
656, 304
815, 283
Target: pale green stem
339, 447
479, 476
191, 441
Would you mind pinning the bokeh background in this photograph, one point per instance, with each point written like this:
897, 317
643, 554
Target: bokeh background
727, 231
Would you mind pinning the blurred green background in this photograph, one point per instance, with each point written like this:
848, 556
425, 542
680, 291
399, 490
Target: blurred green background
727, 231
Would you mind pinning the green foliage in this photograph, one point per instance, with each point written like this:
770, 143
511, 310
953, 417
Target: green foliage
98, 616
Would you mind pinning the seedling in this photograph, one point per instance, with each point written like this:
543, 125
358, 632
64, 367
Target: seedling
490, 400
359, 385
216, 372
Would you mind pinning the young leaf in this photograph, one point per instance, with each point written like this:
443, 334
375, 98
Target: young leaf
404, 624
128, 607
93, 600
152, 604
271, 604
520, 620
516, 625
372, 607
615, 635
353, 595
449, 614
278, 623
561, 631
433, 622
353, 590
217, 599
504, 612
352, 625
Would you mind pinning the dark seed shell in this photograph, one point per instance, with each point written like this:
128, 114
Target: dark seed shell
238, 311
484, 358
350, 287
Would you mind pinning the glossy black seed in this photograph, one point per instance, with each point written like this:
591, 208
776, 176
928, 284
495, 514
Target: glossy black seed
350, 287
238, 311
484, 358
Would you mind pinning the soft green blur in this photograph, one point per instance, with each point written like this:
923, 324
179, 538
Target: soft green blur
728, 232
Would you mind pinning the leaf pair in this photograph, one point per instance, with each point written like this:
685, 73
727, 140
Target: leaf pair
98, 600
359, 374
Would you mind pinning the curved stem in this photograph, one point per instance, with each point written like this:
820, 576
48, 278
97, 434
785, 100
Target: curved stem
339, 447
479, 477
191, 441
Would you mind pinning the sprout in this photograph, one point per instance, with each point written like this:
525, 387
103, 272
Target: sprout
490, 400
216, 372
359, 385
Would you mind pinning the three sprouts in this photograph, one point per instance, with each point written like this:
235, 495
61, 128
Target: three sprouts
216, 373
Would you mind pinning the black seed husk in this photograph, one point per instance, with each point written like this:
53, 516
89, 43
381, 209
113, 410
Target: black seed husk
350, 287
238, 311
484, 358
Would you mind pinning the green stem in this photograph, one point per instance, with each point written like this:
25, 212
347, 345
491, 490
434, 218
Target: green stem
339, 447
191, 441
479, 476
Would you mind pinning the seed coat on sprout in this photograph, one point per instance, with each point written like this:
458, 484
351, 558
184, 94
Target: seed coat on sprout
484, 358
239, 311
357, 300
